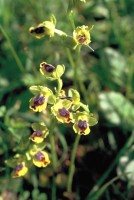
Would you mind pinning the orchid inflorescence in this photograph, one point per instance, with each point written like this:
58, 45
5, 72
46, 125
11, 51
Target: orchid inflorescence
64, 107
80, 36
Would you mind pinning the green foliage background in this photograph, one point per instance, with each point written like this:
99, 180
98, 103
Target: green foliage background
106, 84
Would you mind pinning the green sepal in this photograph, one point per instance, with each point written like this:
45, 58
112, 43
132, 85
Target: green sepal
50, 78
38, 126
75, 107
36, 90
51, 99
92, 121
60, 69
85, 107
74, 94
53, 19
66, 103
41, 146
37, 147
11, 162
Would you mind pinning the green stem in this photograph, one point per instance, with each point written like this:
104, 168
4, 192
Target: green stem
74, 64
52, 142
60, 84
77, 63
12, 50
54, 156
71, 18
72, 166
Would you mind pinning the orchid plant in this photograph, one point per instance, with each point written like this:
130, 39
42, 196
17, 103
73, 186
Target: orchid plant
63, 107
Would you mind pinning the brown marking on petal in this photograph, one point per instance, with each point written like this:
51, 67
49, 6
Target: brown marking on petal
48, 68
40, 157
82, 39
18, 168
38, 101
39, 30
82, 125
65, 113
36, 134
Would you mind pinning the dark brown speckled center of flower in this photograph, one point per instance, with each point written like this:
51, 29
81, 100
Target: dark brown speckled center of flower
18, 168
37, 134
82, 125
64, 113
38, 30
38, 100
81, 39
48, 68
40, 157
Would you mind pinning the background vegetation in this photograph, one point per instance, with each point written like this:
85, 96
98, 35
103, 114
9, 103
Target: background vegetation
105, 158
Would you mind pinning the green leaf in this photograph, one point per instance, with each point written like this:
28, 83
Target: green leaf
117, 109
126, 166
98, 194
117, 66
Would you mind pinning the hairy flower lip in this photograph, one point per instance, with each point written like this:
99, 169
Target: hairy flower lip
38, 101
20, 170
37, 30
41, 159
39, 156
18, 167
82, 39
48, 67
65, 114
82, 124
37, 133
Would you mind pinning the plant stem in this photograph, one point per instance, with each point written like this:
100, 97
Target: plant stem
60, 84
54, 156
72, 166
72, 64
52, 142
12, 50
